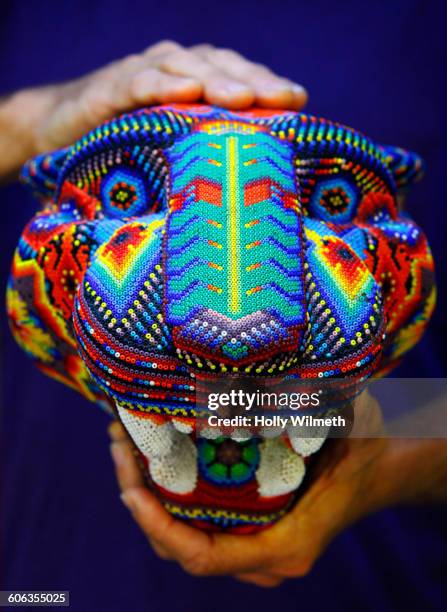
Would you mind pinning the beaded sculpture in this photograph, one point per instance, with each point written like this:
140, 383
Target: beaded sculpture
180, 240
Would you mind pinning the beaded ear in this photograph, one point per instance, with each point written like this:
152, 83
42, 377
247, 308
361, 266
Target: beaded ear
41, 174
407, 167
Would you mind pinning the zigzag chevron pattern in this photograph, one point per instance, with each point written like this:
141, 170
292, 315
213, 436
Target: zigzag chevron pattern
233, 246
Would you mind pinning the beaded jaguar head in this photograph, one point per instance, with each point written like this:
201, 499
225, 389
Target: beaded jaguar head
181, 240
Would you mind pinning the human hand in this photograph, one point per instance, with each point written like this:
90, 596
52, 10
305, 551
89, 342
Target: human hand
352, 478
40, 119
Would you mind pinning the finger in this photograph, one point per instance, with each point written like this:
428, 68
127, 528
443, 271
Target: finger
127, 476
127, 471
230, 62
368, 422
251, 554
270, 89
266, 552
198, 552
117, 432
138, 61
162, 48
218, 87
160, 550
153, 86
228, 93
187, 545
262, 580
129, 65
105, 98
279, 93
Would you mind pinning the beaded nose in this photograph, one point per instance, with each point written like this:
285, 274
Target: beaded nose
233, 246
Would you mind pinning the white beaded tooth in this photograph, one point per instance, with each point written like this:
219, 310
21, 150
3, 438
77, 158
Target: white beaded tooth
177, 471
210, 433
240, 434
182, 427
271, 432
150, 437
307, 440
280, 470
172, 455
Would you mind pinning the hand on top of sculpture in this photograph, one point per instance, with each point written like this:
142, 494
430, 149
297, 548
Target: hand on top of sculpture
38, 119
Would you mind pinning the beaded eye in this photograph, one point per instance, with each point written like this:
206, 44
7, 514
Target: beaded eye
334, 200
123, 193
124, 181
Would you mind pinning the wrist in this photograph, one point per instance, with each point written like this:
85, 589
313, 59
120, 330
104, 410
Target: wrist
20, 115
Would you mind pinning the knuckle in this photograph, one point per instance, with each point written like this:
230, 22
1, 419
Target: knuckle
95, 104
159, 551
178, 56
134, 85
261, 69
203, 48
88, 100
134, 82
197, 565
130, 61
137, 81
227, 55
305, 569
116, 429
165, 46
163, 554
298, 569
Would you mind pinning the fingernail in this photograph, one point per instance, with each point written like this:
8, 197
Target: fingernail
129, 501
300, 93
114, 429
117, 453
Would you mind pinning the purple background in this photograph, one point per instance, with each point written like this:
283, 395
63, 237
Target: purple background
380, 69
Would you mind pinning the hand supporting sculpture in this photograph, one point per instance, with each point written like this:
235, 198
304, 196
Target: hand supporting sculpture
353, 478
